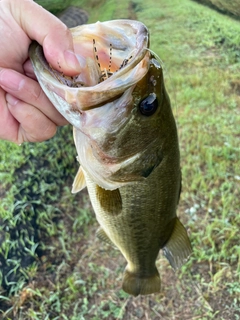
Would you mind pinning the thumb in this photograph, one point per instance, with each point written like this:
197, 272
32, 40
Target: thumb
51, 33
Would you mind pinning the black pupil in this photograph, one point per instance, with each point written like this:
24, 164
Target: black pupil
149, 105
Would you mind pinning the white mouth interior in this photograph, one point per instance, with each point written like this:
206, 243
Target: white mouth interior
104, 50
113, 56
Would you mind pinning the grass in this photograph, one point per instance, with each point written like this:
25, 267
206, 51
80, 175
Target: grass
70, 274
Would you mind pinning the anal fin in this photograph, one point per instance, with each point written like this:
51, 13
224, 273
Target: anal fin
79, 182
101, 234
178, 248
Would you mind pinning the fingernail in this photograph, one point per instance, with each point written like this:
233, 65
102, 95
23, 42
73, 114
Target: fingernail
10, 79
11, 99
71, 60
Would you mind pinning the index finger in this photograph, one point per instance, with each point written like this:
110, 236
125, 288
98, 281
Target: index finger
48, 31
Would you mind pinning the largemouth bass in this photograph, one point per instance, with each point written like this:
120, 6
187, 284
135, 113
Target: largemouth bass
127, 144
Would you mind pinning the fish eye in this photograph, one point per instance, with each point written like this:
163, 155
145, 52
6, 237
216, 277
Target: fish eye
149, 105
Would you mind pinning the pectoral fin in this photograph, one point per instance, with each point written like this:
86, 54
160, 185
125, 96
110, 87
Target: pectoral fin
79, 182
178, 248
109, 200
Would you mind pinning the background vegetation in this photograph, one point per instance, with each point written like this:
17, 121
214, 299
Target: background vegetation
231, 7
52, 265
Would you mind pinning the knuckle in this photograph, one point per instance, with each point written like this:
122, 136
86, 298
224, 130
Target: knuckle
49, 131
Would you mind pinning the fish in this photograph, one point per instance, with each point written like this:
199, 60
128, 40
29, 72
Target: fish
127, 144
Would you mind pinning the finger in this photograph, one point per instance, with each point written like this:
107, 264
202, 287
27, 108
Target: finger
33, 125
8, 124
29, 91
28, 70
50, 32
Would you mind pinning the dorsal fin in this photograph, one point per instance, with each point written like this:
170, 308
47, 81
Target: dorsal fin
79, 182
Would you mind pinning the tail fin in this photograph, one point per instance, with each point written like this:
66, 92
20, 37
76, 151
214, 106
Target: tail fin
135, 285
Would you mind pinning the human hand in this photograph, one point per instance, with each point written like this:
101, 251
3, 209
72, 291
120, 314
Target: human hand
26, 114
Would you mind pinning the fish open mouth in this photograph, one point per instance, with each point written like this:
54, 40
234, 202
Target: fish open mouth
113, 56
